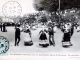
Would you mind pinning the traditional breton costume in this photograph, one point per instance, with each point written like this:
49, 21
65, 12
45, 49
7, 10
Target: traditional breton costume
67, 35
43, 38
27, 37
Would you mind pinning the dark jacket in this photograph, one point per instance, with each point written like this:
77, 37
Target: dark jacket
51, 32
17, 32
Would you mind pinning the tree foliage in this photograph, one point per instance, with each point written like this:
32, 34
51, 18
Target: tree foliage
43, 19
53, 5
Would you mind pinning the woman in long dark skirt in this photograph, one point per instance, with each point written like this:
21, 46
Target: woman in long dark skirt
66, 37
67, 34
43, 39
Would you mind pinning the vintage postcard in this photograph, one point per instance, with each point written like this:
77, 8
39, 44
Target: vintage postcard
39, 29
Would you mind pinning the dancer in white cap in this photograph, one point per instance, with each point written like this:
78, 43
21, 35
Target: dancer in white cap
68, 32
43, 38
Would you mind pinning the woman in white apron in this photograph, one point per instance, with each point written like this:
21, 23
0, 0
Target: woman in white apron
43, 38
27, 37
67, 35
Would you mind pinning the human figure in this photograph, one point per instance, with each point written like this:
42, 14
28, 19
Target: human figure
72, 30
43, 38
42, 35
4, 27
28, 31
27, 38
68, 32
78, 28
17, 35
51, 36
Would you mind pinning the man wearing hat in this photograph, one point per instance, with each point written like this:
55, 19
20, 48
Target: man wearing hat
17, 35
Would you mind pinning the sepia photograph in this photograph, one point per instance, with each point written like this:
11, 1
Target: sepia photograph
40, 27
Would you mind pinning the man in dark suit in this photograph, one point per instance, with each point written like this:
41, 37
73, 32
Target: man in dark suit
51, 34
17, 35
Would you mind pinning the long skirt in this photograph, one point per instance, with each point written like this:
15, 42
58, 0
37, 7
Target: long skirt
43, 37
27, 39
66, 37
43, 40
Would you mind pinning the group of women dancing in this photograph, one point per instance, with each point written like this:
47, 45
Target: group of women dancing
67, 29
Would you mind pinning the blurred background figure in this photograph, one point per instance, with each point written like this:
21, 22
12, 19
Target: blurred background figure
4, 27
1, 26
78, 28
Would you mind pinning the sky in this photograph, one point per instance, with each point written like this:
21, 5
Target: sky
27, 6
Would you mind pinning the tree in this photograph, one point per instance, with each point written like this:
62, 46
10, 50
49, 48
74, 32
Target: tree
53, 5
47, 5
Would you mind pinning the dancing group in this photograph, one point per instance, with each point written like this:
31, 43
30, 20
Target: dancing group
68, 30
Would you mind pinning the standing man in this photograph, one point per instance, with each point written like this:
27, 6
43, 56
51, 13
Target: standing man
51, 35
17, 35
